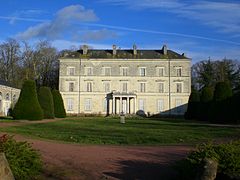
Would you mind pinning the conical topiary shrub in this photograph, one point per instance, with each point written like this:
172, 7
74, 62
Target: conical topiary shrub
59, 109
193, 106
205, 103
45, 99
28, 106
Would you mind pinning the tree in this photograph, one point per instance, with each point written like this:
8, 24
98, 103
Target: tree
59, 109
45, 99
205, 102
193, 105
9, 61
222, 91
28, 106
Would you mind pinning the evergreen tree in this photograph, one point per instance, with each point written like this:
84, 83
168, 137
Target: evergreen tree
222, 91
58, 104
45, 99
205, 102
193, 105
28, 106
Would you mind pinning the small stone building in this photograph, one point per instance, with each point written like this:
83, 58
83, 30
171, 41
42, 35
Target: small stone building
8, 97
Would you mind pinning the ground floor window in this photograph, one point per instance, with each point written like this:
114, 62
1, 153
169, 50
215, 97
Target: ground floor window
69, 104
88, 104
141, 104
105, 105
160, 105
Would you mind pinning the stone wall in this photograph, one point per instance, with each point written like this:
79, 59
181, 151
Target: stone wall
5, 171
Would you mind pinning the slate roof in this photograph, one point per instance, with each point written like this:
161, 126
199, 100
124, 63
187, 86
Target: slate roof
124, 54
4, 83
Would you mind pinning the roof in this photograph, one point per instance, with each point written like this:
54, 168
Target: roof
124, 54
5, 83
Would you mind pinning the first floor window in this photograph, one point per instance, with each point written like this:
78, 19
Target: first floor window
71, 86
142, 87
179, 87
160, 72
70, 104
141, 104
106, 87
179, 71
124, 87
160, 105
88, 104
89, 86
160, 87
107, 71
89, 71
124, 71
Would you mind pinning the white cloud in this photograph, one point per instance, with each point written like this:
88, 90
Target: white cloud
62, 23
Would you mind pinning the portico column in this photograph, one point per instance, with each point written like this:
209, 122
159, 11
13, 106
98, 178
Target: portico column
135, 105
120, 107
113, 106
128, 105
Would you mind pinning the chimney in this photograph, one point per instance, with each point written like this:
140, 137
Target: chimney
164, 49
85, 49
134, 49
114, 49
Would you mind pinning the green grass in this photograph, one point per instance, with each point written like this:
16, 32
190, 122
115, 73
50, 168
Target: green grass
99, 130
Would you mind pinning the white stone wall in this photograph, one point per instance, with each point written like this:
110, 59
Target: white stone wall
8, 98
171, 98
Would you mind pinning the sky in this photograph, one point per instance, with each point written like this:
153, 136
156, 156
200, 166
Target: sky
201, 29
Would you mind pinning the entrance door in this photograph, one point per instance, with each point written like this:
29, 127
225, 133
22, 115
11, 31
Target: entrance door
124, 106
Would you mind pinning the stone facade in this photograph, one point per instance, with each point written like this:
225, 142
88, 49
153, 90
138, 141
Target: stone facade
128, 81
8, 98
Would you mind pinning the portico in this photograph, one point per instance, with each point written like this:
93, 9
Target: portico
123, 102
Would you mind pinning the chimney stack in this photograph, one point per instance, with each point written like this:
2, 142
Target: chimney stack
164, 49
114, 49
85, 49
134, 49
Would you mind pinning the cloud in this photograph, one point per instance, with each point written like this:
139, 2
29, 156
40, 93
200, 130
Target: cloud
221, 15
61, 24
97, 35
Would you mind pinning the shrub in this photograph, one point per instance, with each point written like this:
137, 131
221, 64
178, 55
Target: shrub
227, 155
28, 106
193, 106
45, 99
59, 110
24, 161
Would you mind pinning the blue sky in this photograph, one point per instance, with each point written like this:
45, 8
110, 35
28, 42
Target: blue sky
201, 29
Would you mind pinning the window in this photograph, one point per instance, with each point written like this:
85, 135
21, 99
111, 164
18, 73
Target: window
160, 105
107, 71
89, 86
142, 87
141, 104
106, 87
160, 71
71, 71
179, 71
14, 98
0, 96
161, 87
71, 86
88, 71
124, 71
70, 104
7, 97
88, 104
142, 71
105, 105
179, 87
124, 87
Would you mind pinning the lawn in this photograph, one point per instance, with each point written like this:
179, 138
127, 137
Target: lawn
100, 130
